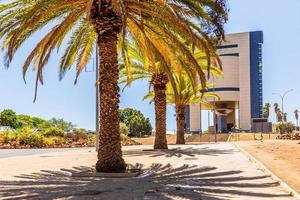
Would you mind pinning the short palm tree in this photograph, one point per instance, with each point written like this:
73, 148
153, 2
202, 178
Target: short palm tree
266, 110
296, 112
185, 93
104, 23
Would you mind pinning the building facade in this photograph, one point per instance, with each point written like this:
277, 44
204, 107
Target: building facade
240, 90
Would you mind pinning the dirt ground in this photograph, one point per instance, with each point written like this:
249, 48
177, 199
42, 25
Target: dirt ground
190, 139
280, 156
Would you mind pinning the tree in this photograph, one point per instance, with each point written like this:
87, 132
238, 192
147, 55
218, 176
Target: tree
266, 110
105, 23
296, 112
9, 118
136, 122
25, 120
61, 124
278, 112
143, 65
185, 93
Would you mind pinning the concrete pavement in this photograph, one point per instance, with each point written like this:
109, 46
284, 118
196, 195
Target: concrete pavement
206, 171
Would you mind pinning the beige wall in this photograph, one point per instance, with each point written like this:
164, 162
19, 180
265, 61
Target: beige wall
236, 74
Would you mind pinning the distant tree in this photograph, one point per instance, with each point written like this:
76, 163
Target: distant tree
278, 112
61, 123
9, 118
25, 120
296, 112
127, 113
139, 126
266, 110
36, 121
137, 123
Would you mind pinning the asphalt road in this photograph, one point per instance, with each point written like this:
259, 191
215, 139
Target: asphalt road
6, 153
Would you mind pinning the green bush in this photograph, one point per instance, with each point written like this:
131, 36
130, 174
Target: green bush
54, 132
285, 127
26, 136
124, 129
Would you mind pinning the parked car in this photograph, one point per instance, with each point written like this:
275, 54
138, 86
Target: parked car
90, 132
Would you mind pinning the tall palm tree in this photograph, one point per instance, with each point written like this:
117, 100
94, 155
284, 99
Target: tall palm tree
267, 110
104, 23
296, 112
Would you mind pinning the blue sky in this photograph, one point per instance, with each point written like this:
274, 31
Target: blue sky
279, 21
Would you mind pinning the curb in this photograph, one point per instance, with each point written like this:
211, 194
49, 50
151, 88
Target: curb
292, 192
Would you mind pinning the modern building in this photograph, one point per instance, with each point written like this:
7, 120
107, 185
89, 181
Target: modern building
240, 90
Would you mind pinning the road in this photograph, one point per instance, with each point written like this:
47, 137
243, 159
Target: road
7, 153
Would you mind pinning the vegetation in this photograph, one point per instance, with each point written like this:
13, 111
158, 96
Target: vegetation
287, 127
266, 110
152, 24
279, 114
138, 125
9, 118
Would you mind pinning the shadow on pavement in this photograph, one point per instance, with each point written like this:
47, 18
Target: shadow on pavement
157, 182
179, 152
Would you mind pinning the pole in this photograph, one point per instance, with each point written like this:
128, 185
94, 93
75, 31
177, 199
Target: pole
282, 96
97, 100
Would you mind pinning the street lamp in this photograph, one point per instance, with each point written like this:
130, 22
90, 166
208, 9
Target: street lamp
282, 97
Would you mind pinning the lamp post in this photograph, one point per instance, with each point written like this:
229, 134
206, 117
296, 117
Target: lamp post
282, 96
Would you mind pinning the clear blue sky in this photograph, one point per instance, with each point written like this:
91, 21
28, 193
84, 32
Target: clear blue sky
279, 21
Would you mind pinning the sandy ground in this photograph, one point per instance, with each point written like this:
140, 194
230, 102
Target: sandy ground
190, 139
282, 157
206, 171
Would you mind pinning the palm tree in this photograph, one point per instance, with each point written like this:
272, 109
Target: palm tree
105, 23
296, 112
277, 112
182, 92
185, 93
267, 110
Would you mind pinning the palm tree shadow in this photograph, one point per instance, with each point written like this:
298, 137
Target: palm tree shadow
157, 182
178, 152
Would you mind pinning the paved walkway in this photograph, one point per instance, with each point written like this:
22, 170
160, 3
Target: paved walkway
206, 171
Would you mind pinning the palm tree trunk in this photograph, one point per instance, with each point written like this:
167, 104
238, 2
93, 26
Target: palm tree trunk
108, 24
160, 104
180, 120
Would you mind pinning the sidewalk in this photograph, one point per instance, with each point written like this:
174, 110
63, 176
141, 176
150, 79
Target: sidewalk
206, 171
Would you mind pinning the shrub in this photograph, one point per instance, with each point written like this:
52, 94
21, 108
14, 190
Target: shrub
26, 136
78, 134
124, 129
49, 141
285, 127
54, 132
8, 137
